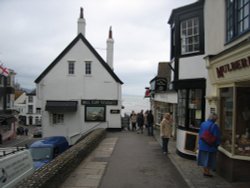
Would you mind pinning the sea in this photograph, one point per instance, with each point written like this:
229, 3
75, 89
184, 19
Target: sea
134, 102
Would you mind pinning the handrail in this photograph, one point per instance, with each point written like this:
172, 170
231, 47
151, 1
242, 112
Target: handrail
10, 150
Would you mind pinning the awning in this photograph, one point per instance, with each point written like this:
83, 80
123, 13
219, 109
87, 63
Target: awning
61, 106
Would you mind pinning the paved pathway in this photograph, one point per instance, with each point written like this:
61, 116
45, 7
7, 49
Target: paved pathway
89, 173
138, 162
129, 160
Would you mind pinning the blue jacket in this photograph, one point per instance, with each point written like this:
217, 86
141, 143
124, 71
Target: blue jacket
214, 130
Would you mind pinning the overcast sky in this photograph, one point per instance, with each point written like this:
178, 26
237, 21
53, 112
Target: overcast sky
34, 32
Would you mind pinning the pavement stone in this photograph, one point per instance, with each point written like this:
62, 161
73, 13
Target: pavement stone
90, 172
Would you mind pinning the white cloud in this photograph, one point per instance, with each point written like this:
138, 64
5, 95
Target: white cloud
33, 33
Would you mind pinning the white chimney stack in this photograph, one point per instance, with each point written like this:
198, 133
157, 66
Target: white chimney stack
110, 49
81, 23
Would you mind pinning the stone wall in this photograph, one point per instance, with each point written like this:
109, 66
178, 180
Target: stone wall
53, 174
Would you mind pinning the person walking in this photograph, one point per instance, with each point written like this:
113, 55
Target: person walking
207, 153
140, 122
150, 121
166, 131
26, 131
146, 119
133, 119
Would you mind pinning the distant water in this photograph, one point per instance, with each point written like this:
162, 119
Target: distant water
136, 103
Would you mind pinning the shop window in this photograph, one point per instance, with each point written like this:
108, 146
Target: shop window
190, 112
195, 107
160, 113
226, 117
242, 145
181, 107
6, 126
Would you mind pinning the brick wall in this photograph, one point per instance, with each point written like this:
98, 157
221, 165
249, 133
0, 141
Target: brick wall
53, 174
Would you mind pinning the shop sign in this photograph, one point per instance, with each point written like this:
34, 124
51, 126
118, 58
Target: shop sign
99, 102
161, 85
114, 111
233, 66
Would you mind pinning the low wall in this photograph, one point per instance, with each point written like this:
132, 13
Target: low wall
54, 173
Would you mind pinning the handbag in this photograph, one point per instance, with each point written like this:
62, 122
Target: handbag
208, 137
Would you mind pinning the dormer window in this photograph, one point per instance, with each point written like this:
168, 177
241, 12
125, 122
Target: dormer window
190, 36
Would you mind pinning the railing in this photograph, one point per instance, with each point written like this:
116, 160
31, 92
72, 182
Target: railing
10, 150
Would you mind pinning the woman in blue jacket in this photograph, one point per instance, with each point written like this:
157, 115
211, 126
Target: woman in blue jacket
207, 153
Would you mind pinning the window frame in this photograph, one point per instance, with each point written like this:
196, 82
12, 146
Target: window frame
187, 112
234, 21
189, 30
71, 67
88, 109
57, 118
88, 67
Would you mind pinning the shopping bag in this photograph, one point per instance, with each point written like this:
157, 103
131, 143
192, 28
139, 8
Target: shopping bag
208, 138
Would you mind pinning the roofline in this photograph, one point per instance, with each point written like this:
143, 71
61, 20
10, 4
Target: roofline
184, 8
67, 49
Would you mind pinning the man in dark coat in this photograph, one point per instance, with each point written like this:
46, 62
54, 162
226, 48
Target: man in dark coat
140, 122
150, 119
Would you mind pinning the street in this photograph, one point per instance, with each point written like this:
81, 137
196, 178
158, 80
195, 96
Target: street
21, 140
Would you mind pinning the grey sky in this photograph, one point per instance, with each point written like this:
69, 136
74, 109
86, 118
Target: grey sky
34, 32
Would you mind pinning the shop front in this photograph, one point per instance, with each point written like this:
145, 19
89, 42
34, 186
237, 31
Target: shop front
190, 114
229, 94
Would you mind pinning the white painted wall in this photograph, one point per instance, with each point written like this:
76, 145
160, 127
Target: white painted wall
192, 67
214, 23
58, 85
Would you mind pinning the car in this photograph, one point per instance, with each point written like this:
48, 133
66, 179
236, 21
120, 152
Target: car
37, 133
45, 150
15, 165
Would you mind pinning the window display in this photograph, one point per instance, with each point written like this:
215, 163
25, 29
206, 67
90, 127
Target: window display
241, 133
190, 103
181, 107
195, 115
242, 145
226, 117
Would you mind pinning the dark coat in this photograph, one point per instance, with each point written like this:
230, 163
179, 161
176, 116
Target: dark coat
150, 119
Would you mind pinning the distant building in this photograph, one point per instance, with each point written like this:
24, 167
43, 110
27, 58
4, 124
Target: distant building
162, 97
26, 105
79, 91
8, 121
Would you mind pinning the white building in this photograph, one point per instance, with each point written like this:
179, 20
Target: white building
26, 105
228, 84
79, 91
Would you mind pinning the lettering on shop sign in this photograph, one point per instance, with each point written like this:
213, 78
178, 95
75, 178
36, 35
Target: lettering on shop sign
233, 66
115, 111
99, 102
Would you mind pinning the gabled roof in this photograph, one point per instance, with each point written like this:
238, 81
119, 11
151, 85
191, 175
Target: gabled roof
68, 48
